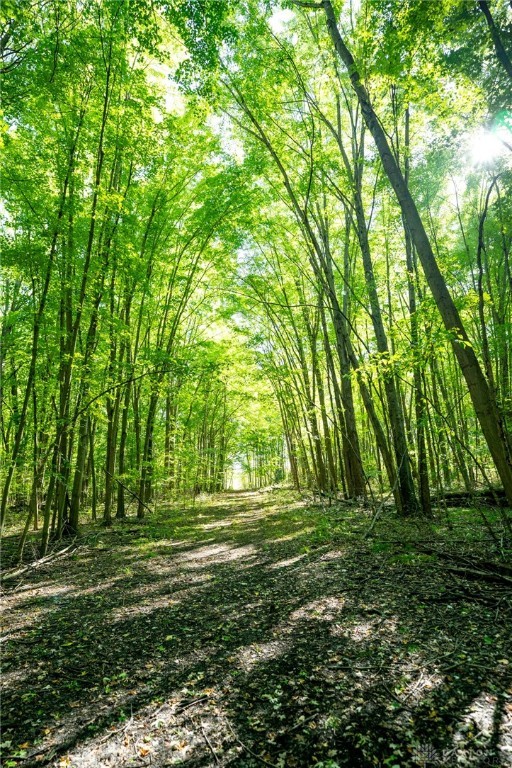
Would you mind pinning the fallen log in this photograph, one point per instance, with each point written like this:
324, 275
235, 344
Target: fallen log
473, 573
492, 497
13, 573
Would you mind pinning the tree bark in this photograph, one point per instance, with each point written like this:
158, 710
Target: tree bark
501, 53
481, 396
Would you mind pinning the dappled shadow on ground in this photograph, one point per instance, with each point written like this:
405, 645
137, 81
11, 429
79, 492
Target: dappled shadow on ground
222, 636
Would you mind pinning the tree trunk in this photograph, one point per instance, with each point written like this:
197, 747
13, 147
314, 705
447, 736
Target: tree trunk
481, 396
501, 52
420, 411
409, 502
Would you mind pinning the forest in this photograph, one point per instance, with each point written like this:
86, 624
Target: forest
256, 383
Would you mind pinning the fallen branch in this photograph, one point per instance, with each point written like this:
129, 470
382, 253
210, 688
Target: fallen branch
116, 731
208, 743
473, 573
303, 722
183, 707
396, 698
487, 569
38, 563
133, 494
248, 749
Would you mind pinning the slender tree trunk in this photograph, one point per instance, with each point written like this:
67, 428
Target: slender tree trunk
501, 52
121, 509
409, 502
92, 468
351, 450
419, 398
147, 457
36, 330
481, 396
378, 430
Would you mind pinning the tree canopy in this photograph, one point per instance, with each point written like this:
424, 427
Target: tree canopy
266, 237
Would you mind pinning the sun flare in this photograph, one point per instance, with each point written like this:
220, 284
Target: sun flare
485, 147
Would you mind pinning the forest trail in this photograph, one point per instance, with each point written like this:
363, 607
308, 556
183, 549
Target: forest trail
238, 633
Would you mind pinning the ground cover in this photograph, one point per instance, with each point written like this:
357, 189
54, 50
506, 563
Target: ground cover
259, 628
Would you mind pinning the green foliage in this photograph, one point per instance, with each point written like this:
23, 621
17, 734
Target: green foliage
185, 191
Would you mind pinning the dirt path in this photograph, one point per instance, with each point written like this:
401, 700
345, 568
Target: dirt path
233, 634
